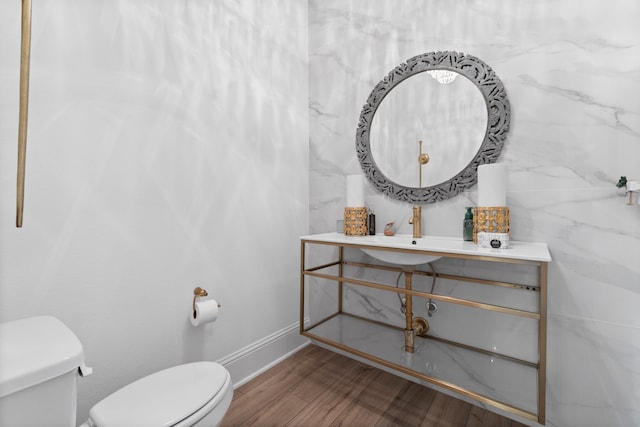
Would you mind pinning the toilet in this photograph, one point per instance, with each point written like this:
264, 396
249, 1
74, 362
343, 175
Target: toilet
41, 358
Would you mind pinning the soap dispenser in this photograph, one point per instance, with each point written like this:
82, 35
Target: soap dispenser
371, 222
467, 226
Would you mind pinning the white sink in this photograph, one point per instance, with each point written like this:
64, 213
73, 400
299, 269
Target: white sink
401, 241
427, 249
401, 258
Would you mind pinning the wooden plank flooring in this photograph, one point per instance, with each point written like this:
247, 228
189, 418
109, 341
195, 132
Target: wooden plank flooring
316, 387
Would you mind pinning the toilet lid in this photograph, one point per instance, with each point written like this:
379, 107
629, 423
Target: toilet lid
161, 399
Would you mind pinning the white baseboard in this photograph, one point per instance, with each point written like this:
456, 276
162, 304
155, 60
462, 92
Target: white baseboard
252, 360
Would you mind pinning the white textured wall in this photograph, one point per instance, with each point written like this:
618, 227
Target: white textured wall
571, 69
167, 149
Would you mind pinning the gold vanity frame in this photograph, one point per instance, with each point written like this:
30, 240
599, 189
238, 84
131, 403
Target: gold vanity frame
540, 316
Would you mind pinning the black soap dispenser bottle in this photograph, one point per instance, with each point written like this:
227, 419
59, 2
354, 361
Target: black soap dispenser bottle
467, 226
371, 223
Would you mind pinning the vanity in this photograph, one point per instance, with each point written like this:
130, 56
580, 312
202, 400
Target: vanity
510, 383
469, 320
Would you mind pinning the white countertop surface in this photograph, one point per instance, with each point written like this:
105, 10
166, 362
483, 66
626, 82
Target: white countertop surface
531, 251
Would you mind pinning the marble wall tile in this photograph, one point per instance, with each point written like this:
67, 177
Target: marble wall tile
593, 373
570, 69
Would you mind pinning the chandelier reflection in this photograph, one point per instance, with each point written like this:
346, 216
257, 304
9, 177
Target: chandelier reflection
443, 76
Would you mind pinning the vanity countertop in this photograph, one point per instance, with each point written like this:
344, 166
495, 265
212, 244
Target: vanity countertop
530, 251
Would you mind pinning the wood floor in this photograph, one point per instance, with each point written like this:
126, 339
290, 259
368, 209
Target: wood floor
316, 387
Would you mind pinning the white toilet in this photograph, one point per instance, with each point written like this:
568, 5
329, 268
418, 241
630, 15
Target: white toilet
39, 363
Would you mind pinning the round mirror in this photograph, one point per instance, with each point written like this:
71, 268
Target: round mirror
450, 117
452, 102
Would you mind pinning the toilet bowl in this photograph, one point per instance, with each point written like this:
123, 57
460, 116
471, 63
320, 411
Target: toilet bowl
186, 395
39, 363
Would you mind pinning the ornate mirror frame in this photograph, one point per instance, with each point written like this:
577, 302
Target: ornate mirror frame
498, 115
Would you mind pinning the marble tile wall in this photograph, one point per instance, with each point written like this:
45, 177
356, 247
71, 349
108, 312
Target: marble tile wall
571, 71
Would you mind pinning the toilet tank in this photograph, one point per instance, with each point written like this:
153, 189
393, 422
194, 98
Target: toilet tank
39, 360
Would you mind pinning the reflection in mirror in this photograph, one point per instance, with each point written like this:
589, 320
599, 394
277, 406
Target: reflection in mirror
450, 119
462, 127
25, 58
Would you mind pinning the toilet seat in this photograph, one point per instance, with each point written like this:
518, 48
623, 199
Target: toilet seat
174, 397
214, 411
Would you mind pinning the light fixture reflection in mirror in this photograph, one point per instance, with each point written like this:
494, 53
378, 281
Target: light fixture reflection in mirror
443, 76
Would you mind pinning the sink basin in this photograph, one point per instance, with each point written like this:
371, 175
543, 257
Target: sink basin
398, 242
401, 258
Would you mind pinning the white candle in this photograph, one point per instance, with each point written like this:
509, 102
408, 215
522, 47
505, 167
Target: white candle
355, 191
492, 185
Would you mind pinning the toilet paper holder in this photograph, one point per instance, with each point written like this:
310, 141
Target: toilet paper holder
199, 292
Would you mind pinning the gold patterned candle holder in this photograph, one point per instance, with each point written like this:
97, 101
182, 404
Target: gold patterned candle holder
492, 219
355, 221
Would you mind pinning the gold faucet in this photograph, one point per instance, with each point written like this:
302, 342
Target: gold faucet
416, 221
416, 218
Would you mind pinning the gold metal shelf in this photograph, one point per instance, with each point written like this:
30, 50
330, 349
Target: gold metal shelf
315, 330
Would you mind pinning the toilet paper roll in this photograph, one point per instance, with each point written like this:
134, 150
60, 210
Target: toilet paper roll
206, 312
